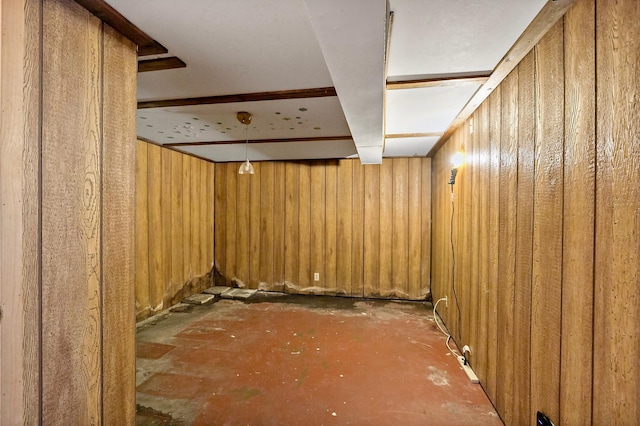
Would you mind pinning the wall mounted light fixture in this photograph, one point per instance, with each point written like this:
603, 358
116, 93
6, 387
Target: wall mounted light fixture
456, 161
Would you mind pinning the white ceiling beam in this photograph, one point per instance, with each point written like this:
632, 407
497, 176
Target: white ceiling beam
351, 35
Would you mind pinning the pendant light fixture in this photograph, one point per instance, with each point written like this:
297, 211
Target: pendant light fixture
246, 167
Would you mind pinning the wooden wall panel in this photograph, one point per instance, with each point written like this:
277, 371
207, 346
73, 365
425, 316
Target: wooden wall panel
558, 226
358, 230
66, 217
220, 231
372, 234
156, 236
291, 229
118, 205
230, 221
177, 230
142, 233
323, 217
547, 225
616, 382
507, 230
267, 219
71, 229
344, 227
254, 226
174, 227
524, 242
186, 216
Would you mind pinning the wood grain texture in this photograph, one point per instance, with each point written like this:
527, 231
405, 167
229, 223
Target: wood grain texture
279, 226
414, 227
330, 225
357, 228
425, 234
546, 297
254, 226
220, 229
494, 103
71, 222
507, 242
118, 247
196, 199
304, 227
267, 218
291, 229
156, 238
317, 206
579, 202
400, 223
474, 231
616, 382
29, 309
386, 223
209, 236
205, 264
20, 87
177, 230
524, 243
483, 152
344, 227
142, 233
372, 231
165, 214
186, 217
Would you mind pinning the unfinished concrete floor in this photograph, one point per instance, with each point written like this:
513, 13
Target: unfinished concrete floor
303, 360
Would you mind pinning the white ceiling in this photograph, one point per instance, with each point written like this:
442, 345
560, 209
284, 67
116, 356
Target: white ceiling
237, 47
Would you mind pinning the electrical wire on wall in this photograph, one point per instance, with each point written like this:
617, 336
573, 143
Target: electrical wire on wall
457, 161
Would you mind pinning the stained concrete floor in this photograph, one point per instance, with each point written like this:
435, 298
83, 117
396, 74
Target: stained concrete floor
302, 360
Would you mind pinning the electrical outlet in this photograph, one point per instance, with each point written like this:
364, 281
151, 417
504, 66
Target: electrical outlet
316, 276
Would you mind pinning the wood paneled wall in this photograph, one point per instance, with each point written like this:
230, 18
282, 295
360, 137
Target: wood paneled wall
365, 230
67, 187
546, 226
174, 227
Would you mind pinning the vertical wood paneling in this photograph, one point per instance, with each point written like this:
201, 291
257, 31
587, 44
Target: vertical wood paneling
255, 214
230, 220
154, 194
344, 227
279, 226
267, 243
330, 225
220, 228
210, 215
473, 244
400, 240
482, 129
142, 232
616, 380
291, 229
425, 234
414, 228
165, 214
524, 242
507, 243
357, 228
579, 203
186, 217
71, 222
118, 205
386, 281
304, 226
372, 234
547, 226
196, 193
177, 241
243, 222
317, 223
495, 103
205, 264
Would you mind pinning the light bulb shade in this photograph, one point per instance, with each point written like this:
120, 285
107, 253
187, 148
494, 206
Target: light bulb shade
457, 160
246, 168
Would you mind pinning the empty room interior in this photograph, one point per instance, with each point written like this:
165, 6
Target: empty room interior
360, 212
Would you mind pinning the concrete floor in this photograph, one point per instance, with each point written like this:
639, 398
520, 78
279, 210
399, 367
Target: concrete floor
294, 360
